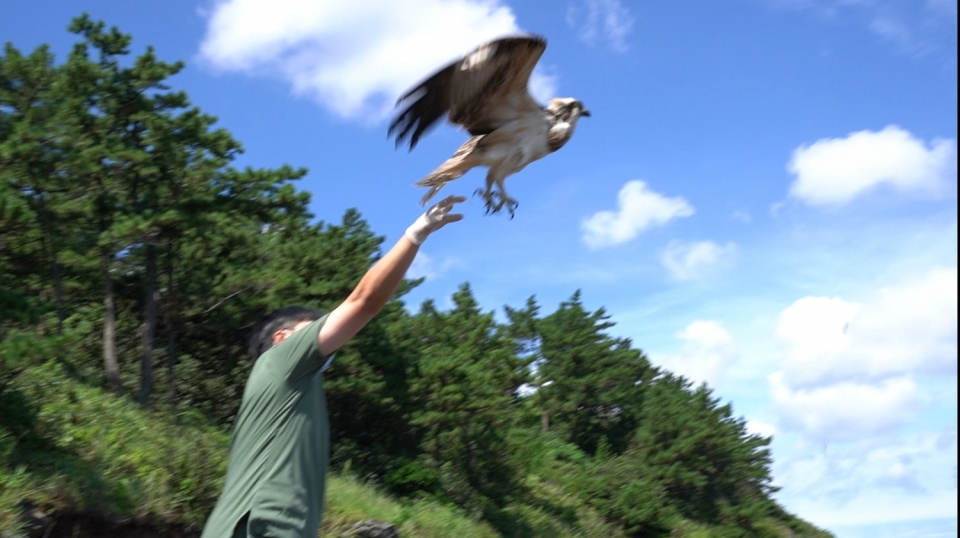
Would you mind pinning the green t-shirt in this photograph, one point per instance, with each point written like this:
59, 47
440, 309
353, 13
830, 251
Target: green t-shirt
280, 445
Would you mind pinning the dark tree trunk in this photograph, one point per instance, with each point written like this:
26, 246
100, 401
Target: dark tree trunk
149, 326
170, 323
54, 265
171, 369
110, 367
57, 286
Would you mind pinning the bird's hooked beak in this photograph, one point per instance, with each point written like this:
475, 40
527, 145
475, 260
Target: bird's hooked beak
585, 112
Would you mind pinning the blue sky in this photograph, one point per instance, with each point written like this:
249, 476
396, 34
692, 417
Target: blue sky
764, 199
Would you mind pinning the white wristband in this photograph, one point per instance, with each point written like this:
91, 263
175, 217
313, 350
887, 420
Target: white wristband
419, 231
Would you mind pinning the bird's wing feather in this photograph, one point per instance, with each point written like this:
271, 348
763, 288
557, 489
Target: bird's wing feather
481, 91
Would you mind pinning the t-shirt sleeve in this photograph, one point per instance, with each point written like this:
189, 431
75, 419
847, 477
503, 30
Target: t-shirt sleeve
299, 354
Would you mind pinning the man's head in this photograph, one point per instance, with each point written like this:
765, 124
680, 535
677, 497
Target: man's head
276, 327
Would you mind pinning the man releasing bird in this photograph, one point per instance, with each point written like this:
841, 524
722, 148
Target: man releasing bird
486, 93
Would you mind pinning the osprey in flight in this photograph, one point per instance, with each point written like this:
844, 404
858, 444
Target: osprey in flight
486, 93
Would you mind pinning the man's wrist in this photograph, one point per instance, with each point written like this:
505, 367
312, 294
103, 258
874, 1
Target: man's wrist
414, 237
433, 219
418, 232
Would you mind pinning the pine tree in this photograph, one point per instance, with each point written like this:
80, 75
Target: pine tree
32, 156
465, 382
590, 384
710, 467
137, 174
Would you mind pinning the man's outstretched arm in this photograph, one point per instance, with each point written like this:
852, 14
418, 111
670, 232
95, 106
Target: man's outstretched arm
380, 282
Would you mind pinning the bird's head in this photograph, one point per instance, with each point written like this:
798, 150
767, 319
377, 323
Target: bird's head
567, 109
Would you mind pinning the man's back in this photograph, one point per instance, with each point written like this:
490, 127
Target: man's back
280, 445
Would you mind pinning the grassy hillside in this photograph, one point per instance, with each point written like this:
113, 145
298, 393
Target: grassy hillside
75, 450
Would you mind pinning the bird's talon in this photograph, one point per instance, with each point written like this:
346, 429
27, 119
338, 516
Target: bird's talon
511, 205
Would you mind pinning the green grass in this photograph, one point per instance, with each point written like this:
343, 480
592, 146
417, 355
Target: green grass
349, 501
73, 448
70, 447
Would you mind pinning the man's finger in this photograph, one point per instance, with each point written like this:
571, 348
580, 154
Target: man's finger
452, 217
452, 199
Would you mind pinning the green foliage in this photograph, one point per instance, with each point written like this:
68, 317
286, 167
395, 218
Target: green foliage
350, 501
71, 446
144, 182
589, 383
414, 477
703, 457
464, 384
691, 465
23, 348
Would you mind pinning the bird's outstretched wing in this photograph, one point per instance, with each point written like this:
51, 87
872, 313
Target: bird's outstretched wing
481, 91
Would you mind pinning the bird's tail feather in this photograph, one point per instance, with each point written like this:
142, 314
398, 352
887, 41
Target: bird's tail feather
438, 178
447, 172
430, 194
453, 168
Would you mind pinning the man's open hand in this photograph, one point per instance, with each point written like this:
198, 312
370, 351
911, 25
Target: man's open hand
433, 219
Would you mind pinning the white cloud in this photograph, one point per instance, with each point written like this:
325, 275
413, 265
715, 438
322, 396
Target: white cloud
850, 367
914, 28
742, 216
544, 83
761, 428
426, 266
354, 57
639, 208
690, 261
893, 30
834, 171
920, 29
609, 17
816, 331
943, 7
909, 327
708, 353
845, 411
854, 484
878, 507
902, 329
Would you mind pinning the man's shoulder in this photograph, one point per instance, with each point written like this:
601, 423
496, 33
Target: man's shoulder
296, 358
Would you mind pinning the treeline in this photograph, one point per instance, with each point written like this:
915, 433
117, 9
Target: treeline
133, 253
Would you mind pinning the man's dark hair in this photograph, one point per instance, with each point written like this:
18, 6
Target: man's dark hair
285, 318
